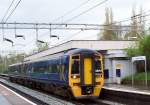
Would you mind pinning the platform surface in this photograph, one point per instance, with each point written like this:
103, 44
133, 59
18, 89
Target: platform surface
130, 89
9, 97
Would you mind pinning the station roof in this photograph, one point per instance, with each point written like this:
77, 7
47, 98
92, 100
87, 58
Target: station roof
88, 44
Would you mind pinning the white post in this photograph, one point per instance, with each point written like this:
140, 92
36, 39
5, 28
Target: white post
5, 64
132, 74
145, 73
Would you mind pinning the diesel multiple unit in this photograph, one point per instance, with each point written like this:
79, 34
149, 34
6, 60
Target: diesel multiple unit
76, 73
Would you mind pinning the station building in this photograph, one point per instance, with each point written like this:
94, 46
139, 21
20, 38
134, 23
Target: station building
116, 63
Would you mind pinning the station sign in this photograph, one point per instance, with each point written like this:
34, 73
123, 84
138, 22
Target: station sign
139, 58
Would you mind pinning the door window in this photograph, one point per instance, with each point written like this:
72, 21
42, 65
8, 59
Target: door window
75, 67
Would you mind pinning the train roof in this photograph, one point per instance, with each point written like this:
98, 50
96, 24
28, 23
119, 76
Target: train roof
78, 51
15, 64
65, 53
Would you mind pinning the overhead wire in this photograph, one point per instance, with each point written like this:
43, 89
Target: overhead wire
136, 16
84, 11
13, 10
7, 11
81, 30
74, 9
73, 35
9, 17
130, 18
113, 23
145, 19
93, 7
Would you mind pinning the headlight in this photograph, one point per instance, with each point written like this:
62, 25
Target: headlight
74, 77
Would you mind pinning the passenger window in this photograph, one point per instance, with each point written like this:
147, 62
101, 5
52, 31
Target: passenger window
39, 69
49, 69
54, 68
75, 67
97, 66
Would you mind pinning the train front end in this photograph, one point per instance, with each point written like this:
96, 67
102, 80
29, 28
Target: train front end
86, 74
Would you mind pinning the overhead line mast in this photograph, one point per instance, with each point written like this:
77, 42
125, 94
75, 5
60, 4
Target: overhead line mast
65, 26
5, 20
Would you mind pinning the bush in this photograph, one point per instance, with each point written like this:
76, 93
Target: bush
139, 76
141, 48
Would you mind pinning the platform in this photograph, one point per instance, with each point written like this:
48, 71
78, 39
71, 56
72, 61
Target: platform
129, 89
126, 94
9, 97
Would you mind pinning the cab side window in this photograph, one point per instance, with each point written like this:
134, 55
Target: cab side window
97, 66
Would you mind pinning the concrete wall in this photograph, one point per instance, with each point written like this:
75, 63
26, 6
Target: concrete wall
113, 64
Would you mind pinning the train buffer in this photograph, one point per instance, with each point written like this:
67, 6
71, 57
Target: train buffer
127, 94
9, 97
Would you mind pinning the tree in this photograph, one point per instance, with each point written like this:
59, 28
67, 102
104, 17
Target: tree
142, 23
141, 48
111, 31
42, 46
137, 25
5, 61
144, 46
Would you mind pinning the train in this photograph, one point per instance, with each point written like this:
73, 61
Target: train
77, 73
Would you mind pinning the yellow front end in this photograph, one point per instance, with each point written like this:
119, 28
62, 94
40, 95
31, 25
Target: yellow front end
78, 90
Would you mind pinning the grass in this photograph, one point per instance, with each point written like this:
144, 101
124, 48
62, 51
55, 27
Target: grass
139, 76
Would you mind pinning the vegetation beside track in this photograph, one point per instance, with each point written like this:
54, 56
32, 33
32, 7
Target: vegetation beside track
141, 49
139, 80
139, 76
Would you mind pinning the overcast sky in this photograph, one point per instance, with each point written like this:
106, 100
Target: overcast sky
49, 10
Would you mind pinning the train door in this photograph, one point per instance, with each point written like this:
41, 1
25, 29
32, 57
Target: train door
87, 74
87, 71
75, 70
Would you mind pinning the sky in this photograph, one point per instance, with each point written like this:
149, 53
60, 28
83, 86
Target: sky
47, 11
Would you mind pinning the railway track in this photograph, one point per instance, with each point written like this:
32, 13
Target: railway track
35, 95
43, 98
